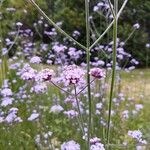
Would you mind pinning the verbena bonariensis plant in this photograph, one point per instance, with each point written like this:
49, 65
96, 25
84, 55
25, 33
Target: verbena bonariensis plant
88, 47
79, 94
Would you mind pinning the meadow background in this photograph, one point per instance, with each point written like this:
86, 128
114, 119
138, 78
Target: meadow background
36, 112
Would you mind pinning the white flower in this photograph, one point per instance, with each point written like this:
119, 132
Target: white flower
19, 24
147, 45
136, 26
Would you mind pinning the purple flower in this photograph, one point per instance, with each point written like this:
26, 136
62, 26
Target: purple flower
94, 140
44, 75
97, 73
33, 116
35, 60
137, 135
70, 145
59, 48
39, 88
71, 113
56, 109
6, 92
12, 116
6, 101
97, 146
72, 74
27, 73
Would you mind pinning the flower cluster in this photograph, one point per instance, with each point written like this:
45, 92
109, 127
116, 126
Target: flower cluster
95, 144
28, 73
70, 145
56, 109
71, 113
33, 116
103, 7
12, 116
97, 73
137, 135
39, 88
44, 75
6, 94
35, 60
72, 74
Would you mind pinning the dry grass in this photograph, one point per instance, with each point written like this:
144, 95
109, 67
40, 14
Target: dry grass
137, 83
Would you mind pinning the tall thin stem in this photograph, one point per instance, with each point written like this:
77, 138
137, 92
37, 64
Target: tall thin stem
88, 68
86, 86
113, 69
78, 107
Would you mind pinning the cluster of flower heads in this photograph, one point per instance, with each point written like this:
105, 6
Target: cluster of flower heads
96, 144
56, 109
137, 135
124, 60
70, 145
103, 7
33, 116
28, 73
6, 96
73, 74
97, 73
35, 60
58, 53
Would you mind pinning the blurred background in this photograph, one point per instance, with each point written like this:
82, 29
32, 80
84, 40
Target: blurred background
70, 15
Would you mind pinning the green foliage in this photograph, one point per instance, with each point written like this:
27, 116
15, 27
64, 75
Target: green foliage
71, 13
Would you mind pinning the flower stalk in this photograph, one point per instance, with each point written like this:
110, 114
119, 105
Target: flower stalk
88, 69
113, 70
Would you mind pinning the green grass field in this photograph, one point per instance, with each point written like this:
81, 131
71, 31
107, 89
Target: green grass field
135, 84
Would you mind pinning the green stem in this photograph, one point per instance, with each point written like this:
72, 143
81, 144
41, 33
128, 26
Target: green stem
78, 107
130, 35
88, 69
111, 8
113, 70
86, 86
